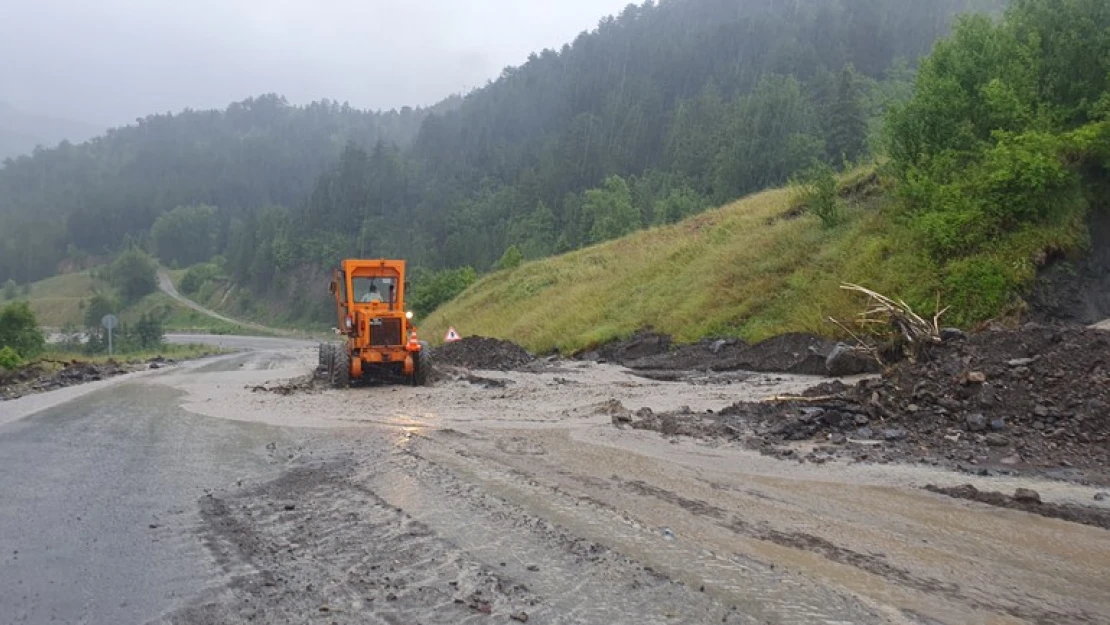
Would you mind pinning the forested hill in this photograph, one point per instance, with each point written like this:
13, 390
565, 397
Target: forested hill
88, 199
658, 113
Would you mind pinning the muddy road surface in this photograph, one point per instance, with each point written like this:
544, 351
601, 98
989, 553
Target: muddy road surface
195, 495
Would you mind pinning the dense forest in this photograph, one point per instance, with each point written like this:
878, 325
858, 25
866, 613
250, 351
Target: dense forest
660, 112
77, 201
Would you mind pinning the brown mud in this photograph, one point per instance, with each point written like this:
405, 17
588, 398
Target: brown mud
1028, 500
497, 480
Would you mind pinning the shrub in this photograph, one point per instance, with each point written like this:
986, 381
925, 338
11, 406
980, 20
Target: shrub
9, 359
149, 333
432, 290
818, 191
133, 274
196, 277
511, 259
977, 288
19, 330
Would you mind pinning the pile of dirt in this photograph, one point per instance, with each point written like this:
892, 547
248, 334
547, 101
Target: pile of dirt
48, 376
1037, 398
643, 344
788, 353
476, 352
1029, 501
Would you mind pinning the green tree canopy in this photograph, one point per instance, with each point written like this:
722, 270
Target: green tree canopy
134, 274
19, 330
186, 235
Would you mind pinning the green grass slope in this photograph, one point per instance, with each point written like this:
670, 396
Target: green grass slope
57, 302
753, 269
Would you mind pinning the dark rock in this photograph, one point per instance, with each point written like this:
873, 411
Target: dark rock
997, 440
832, 418
836, 438
1026, 495
894, 434
845, 360
1101, 496
521, 617
952, 334
862, 419
864, 433
998, 424
976, 422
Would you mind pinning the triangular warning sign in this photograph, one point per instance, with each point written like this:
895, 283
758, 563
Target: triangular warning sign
452, 336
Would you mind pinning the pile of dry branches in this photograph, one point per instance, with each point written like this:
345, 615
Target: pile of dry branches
887, 324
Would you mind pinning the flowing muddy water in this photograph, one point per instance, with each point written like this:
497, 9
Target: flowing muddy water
513, 497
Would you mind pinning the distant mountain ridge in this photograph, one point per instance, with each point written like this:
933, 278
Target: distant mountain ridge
21, 132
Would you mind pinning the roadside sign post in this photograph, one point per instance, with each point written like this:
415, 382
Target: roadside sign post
109, 322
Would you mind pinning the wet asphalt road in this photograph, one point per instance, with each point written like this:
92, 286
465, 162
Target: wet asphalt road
100, 496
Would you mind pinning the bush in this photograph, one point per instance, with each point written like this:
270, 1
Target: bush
9, 359
977, 288
11, 290
196, 277
432, 290
19, 330
148, 332
134, 275
511, 259
819, 192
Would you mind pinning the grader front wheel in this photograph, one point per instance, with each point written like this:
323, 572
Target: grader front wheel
422, 369
340, 370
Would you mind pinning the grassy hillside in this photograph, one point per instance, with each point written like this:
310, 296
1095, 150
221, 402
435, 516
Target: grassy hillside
57, 302
752, 269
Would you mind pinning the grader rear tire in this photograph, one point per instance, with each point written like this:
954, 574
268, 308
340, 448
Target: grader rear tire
340, 373
325, 355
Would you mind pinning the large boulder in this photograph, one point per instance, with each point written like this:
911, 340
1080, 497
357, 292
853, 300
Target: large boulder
846, 360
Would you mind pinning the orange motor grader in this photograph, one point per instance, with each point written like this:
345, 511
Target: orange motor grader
381, 341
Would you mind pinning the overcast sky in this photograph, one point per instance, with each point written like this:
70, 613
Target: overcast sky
110, 61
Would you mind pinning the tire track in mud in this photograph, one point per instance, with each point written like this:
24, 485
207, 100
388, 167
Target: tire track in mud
314, 544
1024, 607
399, 538
874, 564
740, 584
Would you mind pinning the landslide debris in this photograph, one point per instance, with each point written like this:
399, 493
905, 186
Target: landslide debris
45, 376
476, 352
1036, 398
788, 353
1029, 501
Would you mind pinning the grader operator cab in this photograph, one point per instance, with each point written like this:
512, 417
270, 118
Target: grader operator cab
381, 341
